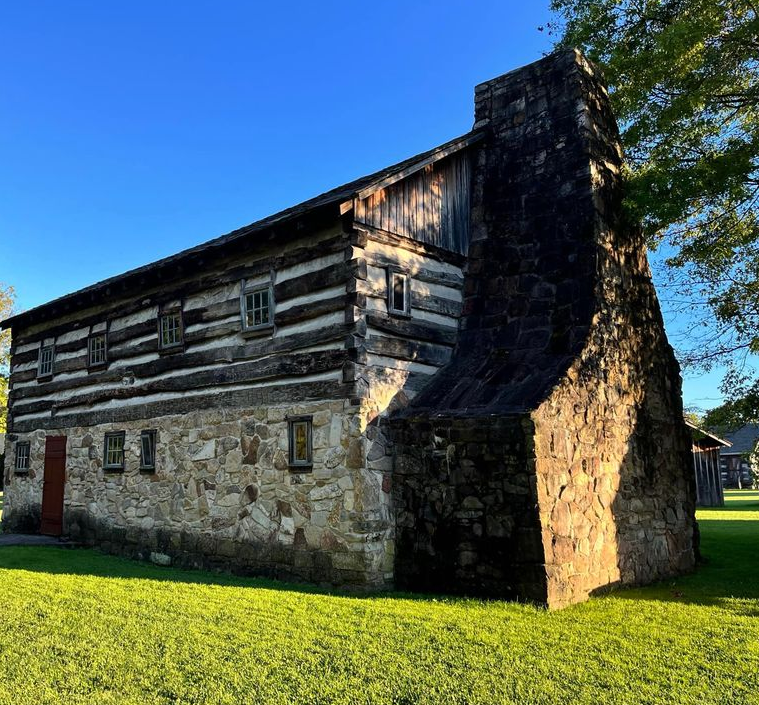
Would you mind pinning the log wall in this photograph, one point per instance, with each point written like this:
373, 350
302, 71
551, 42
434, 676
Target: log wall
401, 353
300, 358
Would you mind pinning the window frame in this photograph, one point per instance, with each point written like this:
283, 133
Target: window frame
295, 464
143, 434
90, 339
171, 347
26, 445
49, 374
249, 290
112, 467
405, 312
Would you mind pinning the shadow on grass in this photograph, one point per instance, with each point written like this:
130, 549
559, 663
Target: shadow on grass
729, 571
93, 563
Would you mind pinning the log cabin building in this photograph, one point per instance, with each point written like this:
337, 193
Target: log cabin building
707, 450
450, 375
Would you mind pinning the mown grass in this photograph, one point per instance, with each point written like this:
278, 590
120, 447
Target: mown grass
80, 627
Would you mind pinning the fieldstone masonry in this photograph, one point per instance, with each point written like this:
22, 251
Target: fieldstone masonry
550, 458
223, 496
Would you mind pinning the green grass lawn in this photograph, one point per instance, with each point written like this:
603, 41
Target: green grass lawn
80, 627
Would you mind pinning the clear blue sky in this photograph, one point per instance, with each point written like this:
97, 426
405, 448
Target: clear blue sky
131, 130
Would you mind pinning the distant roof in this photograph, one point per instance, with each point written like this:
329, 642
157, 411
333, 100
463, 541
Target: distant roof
699, 433
358, 188
744, 439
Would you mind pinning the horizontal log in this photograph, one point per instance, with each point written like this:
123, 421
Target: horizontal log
208, 333
170, 290
269, 368
436, 304
384, 237
414, 329
424, 302
312, 309
33, 355
422, 274
323, 278
215, 356
23, 376
409, 350
237, 399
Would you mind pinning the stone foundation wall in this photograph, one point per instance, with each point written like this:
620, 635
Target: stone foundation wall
223, 495
465, 502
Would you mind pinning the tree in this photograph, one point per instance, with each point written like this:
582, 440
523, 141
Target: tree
7, 301
684, 81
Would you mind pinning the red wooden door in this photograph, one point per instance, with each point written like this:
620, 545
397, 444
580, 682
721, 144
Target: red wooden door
52, 489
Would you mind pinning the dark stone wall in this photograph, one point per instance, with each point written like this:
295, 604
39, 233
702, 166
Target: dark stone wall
466, 502
561, 325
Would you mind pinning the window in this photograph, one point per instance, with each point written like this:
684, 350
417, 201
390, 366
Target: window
257, 306
170, 330
45, 366
398, 296
23, 450
300, 442
147, 450
97, 352
114, 451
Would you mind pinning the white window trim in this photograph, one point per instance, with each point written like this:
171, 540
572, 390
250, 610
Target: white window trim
406, 310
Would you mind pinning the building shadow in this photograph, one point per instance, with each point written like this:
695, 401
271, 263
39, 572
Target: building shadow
89, 562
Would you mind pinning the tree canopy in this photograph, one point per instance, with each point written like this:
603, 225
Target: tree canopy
684, 82
7, 300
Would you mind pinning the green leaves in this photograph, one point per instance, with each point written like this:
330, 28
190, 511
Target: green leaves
684, 82
7, 299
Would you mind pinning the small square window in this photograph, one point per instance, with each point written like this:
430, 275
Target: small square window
114, 451
300, 442
170, 330
147, 450
23, 453
398, 295
45, 366
97, 350
257, 307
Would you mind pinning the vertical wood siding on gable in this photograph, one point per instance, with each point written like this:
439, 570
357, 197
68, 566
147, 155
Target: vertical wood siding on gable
430, 206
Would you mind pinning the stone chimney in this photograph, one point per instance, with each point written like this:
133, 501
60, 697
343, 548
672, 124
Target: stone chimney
539, 462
